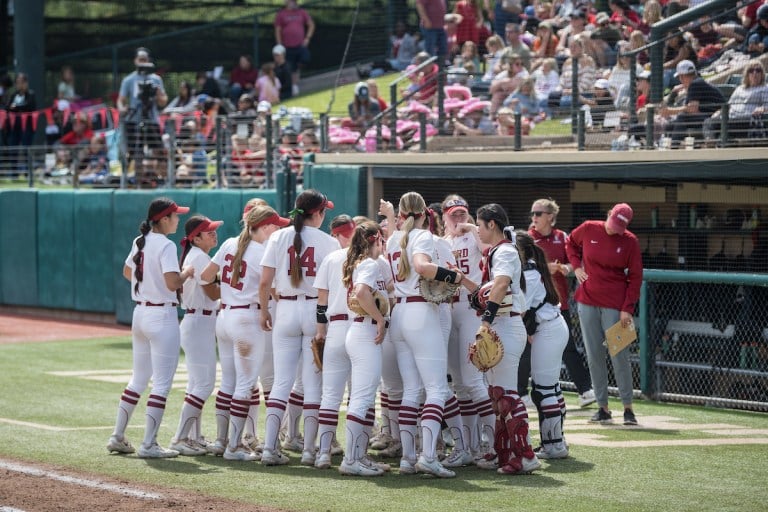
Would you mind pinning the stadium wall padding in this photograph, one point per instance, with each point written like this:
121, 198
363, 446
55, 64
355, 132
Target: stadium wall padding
56, 254
18, 253
345, 185
93, 236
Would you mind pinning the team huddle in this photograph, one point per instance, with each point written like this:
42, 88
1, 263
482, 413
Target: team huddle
308, 315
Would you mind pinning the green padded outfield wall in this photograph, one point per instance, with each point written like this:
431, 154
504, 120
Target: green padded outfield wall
56, 254
93, 226
345, 185
18, 252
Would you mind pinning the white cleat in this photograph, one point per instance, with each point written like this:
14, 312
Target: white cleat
119, 445
552, 452
307, 458
528, 466
433, 467
359, 468
187, 447
587, 398
395, 449
380, 442
295, 444
274, 458
407, 467
242, 452
155, 451
459, 458
323, 461
217, 447
336, 448
381, 465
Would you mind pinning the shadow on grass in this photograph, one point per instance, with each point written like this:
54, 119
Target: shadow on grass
567, 466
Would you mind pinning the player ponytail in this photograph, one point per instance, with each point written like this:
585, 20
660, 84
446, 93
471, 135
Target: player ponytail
412, 207
365, 235
529, 251
156, 207
251, 223
308, 203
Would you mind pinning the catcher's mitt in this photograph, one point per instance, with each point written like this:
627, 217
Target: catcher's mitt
487, 350
318, 346
379, 299
437, 292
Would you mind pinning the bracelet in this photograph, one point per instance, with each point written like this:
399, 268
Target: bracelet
320, 314
491, 308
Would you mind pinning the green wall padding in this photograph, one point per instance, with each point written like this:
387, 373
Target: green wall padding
345, 185
93, 242
18, 235
223, 205
56, 251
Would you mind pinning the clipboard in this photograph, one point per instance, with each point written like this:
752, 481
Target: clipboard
617, 337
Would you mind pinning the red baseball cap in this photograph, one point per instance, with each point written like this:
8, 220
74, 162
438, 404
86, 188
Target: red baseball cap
621, 216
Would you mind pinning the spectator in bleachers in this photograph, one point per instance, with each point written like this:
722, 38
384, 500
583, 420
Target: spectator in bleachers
618, 77
652, 13
432, 18
402, 47
637, 40
361, 109
471, 20
516, 46
468, 55
701, 101
81, 130
587, 71
475, 119
576, 26
524, 101
747, 105
94, 164
758, 34
294, 29
495, 47
373, 92
191, 160
426, 79
451, 27
246, 164
242, 77
676, 50
184, 102
504, 12
205, 84
512, 74
605, 38
282, 72
309, 142
643, 89
545, 43
245, 105
268, 86
5, 90
625, 17
546, 81
20, 101
600, 101
505, 123
66, 88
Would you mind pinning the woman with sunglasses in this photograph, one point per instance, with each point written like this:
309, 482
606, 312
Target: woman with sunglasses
746, 105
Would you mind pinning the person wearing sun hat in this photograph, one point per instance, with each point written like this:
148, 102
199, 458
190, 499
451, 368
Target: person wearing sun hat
608, 265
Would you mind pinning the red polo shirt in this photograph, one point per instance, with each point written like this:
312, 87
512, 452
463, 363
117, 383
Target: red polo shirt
553, 246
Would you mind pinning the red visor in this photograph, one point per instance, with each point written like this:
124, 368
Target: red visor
172, 208
204, 227
274, 219
326, 204
345, 230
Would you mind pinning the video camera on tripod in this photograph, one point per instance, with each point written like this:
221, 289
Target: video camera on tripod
147, 88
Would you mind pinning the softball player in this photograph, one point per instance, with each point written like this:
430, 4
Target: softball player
547, 345
362, 276
505, 305
153, 270
198, 332
333, 318
241, 340
291, 260
421, 354
476, 408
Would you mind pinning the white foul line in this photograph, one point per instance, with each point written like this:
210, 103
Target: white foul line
10, 509
94, 484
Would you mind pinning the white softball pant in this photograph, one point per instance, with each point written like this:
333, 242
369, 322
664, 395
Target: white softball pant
198, 339
155, 339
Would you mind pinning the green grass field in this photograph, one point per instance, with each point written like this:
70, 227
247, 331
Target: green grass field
59, 401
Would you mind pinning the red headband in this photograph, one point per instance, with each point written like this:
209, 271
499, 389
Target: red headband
345, 229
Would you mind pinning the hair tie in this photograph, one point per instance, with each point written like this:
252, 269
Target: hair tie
296, 211
509, 231
184, 242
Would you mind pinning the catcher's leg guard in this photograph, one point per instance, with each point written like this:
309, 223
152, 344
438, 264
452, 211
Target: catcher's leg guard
550, 418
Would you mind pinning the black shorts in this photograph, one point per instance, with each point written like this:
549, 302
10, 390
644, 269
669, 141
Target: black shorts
297, 57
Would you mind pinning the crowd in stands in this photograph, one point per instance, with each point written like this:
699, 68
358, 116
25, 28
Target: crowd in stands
502, 58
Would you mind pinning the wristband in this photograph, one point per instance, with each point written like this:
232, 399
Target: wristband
445, 275
320, 313
491, 308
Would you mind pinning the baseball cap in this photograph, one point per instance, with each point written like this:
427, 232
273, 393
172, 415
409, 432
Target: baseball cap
578, 13
762, 12
205, 226
142, 52
274, 219
621, 216
202, 98
361, 90
685, 67
601, 83
602, 17
173, 207
456, 204
62, 105
264, 106
278, 49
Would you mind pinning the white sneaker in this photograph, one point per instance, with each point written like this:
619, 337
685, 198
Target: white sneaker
119, 445
407, 467
528, 466
381, 441
358, 468
187, 447
155, 451
307, 458
433, 467
395, 449
217, 447
486, 463
274, 458
336, 448
459, 458
376, 464
587, 398
240, 453
323, 461
295, 445
528, 401
553, 452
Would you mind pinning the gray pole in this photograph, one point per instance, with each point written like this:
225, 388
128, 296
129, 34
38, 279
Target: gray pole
29, 45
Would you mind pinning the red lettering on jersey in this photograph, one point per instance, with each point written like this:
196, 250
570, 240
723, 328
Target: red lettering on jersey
307, 261
393, 257
226, 272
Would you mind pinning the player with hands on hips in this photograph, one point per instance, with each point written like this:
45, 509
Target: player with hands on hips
362, 276
291, 260
153, 271
421, 354
548, 335
502, 313
240, 337
198, 332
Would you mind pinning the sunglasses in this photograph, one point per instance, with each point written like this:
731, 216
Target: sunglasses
538, 213
755, 70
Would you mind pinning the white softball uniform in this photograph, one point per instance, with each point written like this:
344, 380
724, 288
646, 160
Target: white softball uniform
294, 326
421, 354
445, 258
391, 382
335, 359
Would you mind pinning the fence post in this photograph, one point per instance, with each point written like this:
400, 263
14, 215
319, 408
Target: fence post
580, 133
650, 112
518, 131
30, 167
632, 89
255, 38
269, 160
219, 156
645, 355
323, 133
441, 93
393, 118
574, 95
115, 71
378, 136
423, 132
725, 113
123, 153
170, 129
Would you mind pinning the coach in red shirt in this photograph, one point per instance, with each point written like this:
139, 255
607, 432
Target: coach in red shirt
608, 266
552, 241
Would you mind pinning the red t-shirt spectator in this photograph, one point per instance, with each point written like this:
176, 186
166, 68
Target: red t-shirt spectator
428, 82
468, 29
435, 11
292, 24
246, 78
73, 138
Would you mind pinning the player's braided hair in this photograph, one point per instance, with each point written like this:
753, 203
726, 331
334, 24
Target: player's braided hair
366, 234
252, 219
496, 213
308, 203
155, 207
412, 206
528, 250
